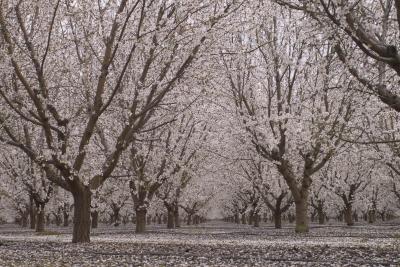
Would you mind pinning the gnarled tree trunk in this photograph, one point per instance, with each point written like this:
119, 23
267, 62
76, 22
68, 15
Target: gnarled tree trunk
81, 227
302, 220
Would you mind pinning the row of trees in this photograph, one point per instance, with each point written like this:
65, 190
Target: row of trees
294, 100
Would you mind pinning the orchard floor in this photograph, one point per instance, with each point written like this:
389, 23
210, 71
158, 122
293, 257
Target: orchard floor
214, 243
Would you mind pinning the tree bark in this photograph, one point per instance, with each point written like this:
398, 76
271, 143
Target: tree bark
189, 219
40, 218
321, 214
95, 219
32, 213
244, 218
278, 219
140, 220
348, 215
256, 219
81, 227
302, 220
66, 218
170, 218
237, 220
177, 220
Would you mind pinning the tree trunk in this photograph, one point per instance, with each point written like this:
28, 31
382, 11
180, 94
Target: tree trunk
177, 221
278, 219
141, 220
189, 219
40, 218
244, 218
371, 216
237, 220
24, 220
348, 215
81, 227
170, 218
32, 214
256, 219
66, 218
302, 221
95, 219
321, 214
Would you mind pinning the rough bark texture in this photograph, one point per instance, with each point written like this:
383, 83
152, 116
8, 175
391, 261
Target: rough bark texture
302, 221
140, 221
81, 227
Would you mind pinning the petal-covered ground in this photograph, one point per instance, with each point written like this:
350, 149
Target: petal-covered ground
211, 244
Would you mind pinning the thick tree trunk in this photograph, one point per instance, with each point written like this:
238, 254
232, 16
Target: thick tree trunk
189, 219
40, 219
81, 227
348, 215
95, 219
278, 219
302, 220
141, 221
170, 218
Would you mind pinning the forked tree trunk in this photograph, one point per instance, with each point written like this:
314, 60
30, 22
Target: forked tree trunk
81, 227
348, 215
302, 220
140, 220
95, 219
40, 218
278, 219
170, 218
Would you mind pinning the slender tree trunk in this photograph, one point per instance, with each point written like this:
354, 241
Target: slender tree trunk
244, 218
348, 215
237, 220
278, 219
302, 220
170, 218
24, 220
256, 219
32, 213
177, 220
81, 227
189, 219
95, 219
321, 214
40, 218
371, 216
141, 220
65, 218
